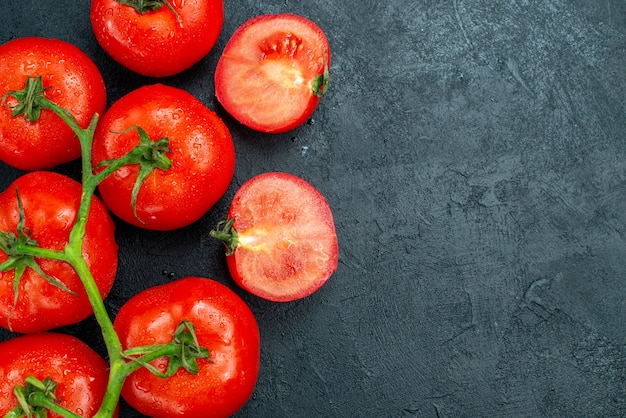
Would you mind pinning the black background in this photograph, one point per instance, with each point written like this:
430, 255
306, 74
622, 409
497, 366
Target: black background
473, 153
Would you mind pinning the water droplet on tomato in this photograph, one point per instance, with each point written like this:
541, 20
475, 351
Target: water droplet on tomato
122, 172
139, 387
29, 66
177, 113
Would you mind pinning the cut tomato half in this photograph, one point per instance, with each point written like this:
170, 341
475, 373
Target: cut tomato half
273, 72
281, 238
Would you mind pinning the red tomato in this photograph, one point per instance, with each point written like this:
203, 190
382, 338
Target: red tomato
71, 80
157, 42
273, 71
202, 155
81, 374
286, 244
224, 324
50, 202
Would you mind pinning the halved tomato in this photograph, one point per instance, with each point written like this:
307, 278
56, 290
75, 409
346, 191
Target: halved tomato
273, 72
280, 236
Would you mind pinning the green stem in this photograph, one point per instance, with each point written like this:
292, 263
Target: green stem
111, 339
40, 399
74, 255
43, 253
154, 353
225, 231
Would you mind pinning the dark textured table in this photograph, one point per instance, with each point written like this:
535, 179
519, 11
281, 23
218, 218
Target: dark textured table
474, 156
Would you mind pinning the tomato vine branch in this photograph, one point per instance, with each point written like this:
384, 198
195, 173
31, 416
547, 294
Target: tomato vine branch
21, 249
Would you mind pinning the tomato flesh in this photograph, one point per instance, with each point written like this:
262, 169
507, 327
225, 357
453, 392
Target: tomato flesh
287, 244
266, 75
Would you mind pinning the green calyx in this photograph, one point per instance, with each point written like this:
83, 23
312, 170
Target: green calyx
36, 398
322, 81
183, 352
225, 232
145, 6
15, 246
29, 99
150, 155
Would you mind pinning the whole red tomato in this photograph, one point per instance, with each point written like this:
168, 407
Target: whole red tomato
70, 79
224, 325
80, 373
50, 202
273, 72
157, 38
281, 237
202, 157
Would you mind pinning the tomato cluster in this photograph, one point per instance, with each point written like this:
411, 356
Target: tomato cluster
160, 159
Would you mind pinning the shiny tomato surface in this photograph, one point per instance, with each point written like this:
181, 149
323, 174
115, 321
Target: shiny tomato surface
80, 373
50, 202
202, 157
223, 323
157, 42
70, 79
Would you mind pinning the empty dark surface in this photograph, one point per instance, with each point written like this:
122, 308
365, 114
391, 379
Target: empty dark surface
474, 156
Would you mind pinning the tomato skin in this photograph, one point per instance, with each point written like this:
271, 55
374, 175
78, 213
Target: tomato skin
202, 154
74, 83
156, 44
81, 374
50, 201
288, 246
264, 78
224, 324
